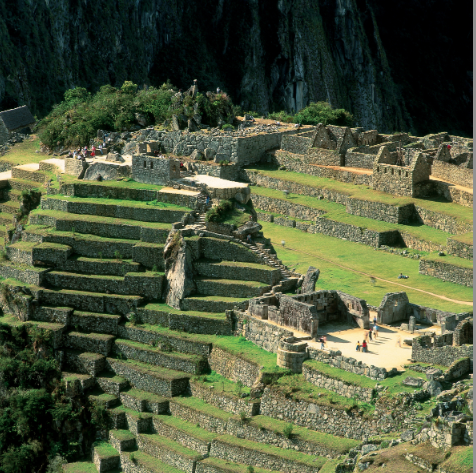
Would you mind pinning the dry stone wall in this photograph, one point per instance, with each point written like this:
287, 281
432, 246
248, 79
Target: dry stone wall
447, 272
450, 172
316, 377
296, 144
443, 222
233, 367
439, 352
458, 248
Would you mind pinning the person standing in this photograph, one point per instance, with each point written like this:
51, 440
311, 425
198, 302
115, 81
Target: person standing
100, 148
357, 348
370, 335
375, 331
364, 346
93, 151
375, 320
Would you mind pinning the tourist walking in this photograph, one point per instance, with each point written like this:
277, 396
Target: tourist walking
375, 331
370, 335
357, 348
100, 148
375, 320
364, 346
399, 342
93, 151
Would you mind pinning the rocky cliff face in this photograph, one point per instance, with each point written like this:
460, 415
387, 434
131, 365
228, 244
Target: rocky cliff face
267, 54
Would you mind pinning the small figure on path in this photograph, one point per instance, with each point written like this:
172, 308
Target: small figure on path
100, 148
366, 335
364, 346
93, 151
399, 342
375, 320
248, 239
357, 348
323, 341
375, 331
402, 276
208, 200
370, 334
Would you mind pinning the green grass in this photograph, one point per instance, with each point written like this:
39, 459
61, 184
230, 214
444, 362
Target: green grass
134, 414
448, 259
394, 384
297, 387
330, 466
337, 213
99, 219
309, 249
238, 264
223, 465
123, 434
236, 217
464, 238
120, 202
143, 346
233, 281
366, 193
25, 152
126, 183
162, 373
197, 404
220, 384
144, 395
168, 444
92, 336
105, 449
80, 467
162, 307
186, 427
152, 463
219, 298
460, 461
339, 444
290, 455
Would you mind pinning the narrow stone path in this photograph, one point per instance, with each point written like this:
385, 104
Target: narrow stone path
439, 296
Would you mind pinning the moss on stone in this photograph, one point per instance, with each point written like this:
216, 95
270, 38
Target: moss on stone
201, 406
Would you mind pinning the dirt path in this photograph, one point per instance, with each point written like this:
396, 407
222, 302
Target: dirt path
456, 186
381, 279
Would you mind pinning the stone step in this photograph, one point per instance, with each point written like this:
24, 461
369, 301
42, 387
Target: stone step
127, 349
61, 315
257, 454
123, 209
143, 463
107, 227
83, 467
157, 380
239, 271
183, 432
84, 363
169, 452
166, 337
111, 383
144, 401
77, 383
231, 287
134, 421
106, 266
6, 218
14, 195
22, 184
91, 342
122, 440
10, 207
213, 304
26, 172
196, 411
93, 322
105, 456
21, 252
90, 246
103, 399
90, 301
146, 284
217, 465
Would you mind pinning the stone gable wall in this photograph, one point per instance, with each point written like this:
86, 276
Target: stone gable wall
447, 272
325, 157
296, 144
154, 170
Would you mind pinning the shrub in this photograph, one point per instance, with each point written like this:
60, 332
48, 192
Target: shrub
154, 269
227, 127
250, 469
322, 112
220, 212
281, 116
132, 458
288, 430
242, 416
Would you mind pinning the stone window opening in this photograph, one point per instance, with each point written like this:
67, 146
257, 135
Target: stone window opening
406, 174
385, 170
392, 171
151, 165
145, 164
399, 173
378, 169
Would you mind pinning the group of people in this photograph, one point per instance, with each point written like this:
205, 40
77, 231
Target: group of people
83, 153
373, 332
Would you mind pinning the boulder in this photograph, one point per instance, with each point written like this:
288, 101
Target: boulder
413, 382
115, 158
242, 198
433, 387
433, 373
209, 153
191, 125
310, 280
368, 448
107, 171
249, 228
197, 154
408, 435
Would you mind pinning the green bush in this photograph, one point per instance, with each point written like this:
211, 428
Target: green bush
288, 430
322, 112
281, 116
227, 127
220, 212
